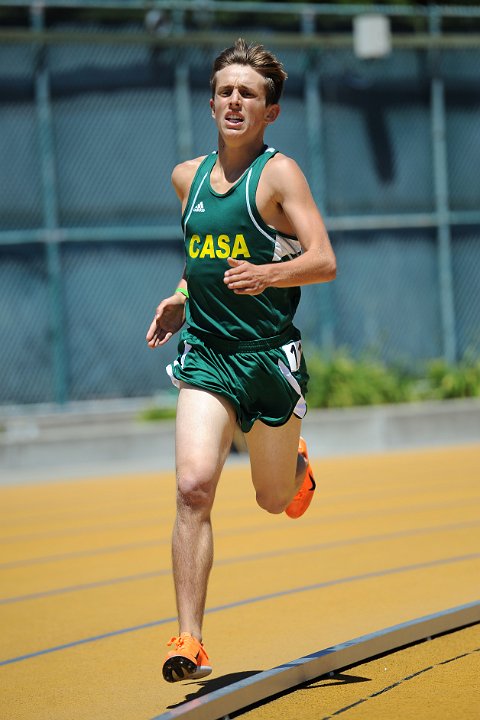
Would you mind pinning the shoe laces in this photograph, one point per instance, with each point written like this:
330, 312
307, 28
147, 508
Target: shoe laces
179, 642
185, 640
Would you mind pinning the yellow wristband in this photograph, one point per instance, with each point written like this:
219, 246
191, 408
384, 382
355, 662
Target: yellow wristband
184, 291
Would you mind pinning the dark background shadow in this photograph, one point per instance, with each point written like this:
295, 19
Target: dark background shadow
208, 686
335, 678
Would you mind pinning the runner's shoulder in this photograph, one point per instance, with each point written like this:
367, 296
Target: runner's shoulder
281, 171
183, 174
284, 163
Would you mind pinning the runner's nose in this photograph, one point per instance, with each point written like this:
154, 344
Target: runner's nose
235, 97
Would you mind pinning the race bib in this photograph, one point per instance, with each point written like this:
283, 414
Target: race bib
293, 351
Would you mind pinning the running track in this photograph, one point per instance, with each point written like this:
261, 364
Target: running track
86, 597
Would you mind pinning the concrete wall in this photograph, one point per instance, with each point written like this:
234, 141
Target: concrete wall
107, 438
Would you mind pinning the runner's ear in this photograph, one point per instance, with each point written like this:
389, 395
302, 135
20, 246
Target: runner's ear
272, 113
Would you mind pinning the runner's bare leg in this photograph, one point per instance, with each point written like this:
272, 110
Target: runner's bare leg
204, 430
277, 469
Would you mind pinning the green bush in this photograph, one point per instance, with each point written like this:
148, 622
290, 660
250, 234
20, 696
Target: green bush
445, 381
157, 413
341, 381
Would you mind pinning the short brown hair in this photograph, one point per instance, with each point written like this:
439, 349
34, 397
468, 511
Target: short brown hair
261, 60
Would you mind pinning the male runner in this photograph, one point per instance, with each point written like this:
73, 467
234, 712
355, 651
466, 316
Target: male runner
253, 235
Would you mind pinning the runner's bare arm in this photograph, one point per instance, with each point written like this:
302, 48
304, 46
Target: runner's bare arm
170, 314
290, 192
169, 317
182, 178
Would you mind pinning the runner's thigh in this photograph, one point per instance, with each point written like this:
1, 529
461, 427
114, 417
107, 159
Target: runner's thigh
204, 430
273, 455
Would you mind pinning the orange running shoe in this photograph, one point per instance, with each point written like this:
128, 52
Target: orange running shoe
188, 660
304, 496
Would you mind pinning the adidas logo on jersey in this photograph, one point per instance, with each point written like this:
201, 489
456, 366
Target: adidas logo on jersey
199, 207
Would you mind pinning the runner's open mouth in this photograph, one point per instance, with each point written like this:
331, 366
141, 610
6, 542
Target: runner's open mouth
235, 119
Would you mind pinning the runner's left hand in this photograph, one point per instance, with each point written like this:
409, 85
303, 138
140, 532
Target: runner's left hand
244, 278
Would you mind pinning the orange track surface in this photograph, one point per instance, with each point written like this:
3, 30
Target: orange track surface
86, 600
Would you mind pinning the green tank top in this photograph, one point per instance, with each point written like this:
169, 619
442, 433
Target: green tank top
217, 226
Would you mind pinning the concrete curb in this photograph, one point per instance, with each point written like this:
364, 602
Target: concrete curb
393, 427
107, 438
263, 685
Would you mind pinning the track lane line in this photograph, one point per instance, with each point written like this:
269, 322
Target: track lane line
236, 531
247, 601
279, 552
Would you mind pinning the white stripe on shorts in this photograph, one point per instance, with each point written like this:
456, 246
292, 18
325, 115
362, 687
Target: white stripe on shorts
300, 408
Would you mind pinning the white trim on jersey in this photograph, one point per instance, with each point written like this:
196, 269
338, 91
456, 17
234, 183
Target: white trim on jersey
286, 247
193, 205
260, 229
283, 247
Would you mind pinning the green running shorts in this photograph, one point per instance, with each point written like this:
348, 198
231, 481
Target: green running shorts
263, 379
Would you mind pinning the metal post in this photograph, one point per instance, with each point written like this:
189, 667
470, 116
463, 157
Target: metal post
316, 169
314, 121
440, 169
50, 211
183, 101
183, 104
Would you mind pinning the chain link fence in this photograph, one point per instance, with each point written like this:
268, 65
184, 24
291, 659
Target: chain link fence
90, 236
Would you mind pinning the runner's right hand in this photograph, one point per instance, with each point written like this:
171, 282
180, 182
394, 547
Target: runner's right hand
169, 318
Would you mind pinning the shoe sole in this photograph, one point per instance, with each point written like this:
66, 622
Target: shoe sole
181, 668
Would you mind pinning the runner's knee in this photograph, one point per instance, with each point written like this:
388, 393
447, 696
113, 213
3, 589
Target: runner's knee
273, 504
195, 490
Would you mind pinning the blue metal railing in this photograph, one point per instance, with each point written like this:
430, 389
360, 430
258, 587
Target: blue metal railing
441, 218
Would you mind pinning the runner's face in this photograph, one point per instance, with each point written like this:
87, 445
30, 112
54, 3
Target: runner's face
239, 105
